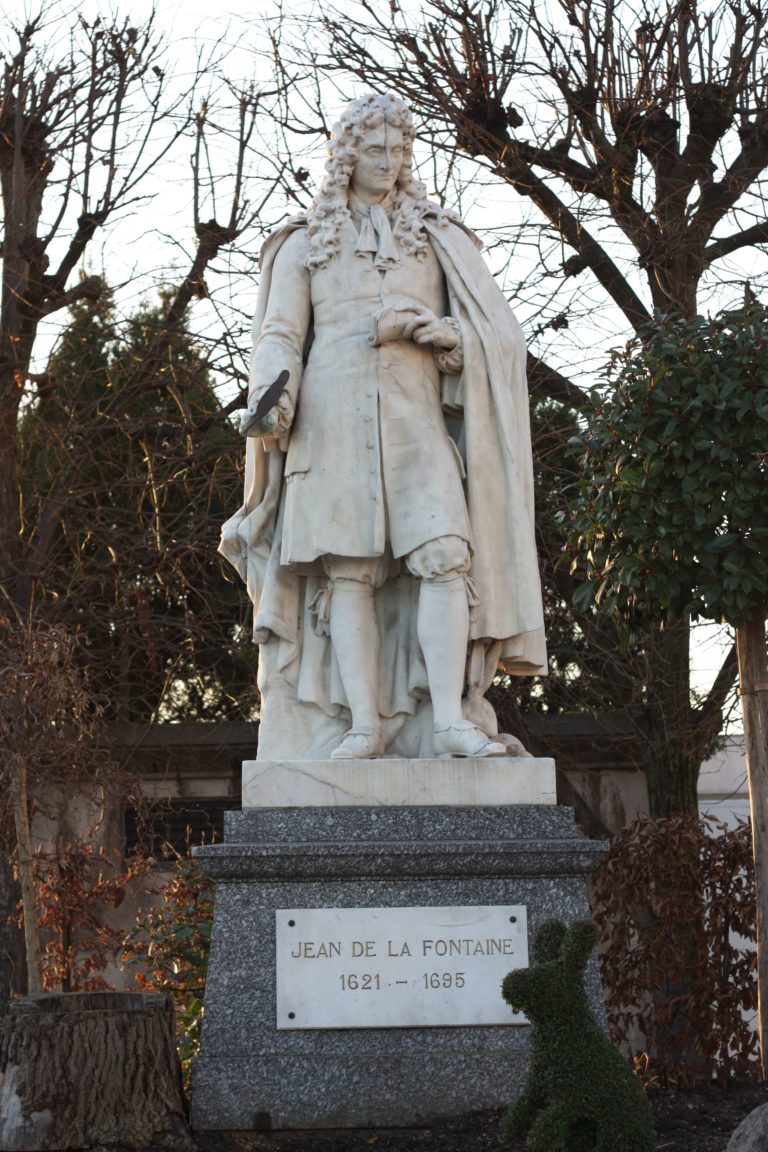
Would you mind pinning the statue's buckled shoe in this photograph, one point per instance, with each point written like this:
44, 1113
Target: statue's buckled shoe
359, 746
466, 740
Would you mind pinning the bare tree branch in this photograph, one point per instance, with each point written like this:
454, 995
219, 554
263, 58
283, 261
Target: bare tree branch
710, 715
748, 238
543, 380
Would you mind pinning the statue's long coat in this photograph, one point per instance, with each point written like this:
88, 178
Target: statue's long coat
370, 462
271, 540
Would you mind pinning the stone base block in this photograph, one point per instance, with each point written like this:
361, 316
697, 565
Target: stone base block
342, 783
252, 1075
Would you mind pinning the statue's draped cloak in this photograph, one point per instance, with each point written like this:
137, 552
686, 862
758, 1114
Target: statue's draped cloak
507, 628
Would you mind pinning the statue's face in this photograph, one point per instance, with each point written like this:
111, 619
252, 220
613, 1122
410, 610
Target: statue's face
379, 160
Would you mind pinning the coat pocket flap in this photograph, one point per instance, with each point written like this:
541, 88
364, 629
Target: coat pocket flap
299, 454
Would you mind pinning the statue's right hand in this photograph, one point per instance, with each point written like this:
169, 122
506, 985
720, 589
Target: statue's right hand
427, 328
280, 417
274, 424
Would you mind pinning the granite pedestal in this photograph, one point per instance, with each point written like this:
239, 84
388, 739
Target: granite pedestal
374, 854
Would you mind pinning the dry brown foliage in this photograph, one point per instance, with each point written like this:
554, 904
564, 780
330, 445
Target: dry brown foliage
674, 902
78, 885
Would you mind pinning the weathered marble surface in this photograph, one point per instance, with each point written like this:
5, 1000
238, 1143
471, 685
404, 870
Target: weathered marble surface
345, 783
387, 531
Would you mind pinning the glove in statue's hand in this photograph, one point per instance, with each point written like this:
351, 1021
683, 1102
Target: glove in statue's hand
427, 328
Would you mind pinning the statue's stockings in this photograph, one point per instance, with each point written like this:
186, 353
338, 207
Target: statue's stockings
443, 632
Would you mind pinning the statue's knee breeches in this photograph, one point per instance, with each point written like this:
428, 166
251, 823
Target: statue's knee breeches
440, 560
371, 570
350, 576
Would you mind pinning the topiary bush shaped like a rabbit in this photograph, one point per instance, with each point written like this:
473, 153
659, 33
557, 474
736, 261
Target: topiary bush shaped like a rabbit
580, 1093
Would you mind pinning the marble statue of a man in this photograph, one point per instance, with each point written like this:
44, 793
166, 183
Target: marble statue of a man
387, 533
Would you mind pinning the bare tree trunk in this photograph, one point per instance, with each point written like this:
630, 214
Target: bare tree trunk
672, 753
13, 965
20, 803
91, 1068
753, 683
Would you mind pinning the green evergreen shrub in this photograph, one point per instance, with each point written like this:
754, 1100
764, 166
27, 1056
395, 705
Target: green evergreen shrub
580, 1094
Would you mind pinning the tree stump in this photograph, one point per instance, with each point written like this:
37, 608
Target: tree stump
79, 1069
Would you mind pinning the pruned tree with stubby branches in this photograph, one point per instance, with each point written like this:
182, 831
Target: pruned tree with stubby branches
83, 124
117, 449
628, 145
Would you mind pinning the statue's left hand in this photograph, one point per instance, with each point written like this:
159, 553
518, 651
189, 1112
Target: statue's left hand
427, 328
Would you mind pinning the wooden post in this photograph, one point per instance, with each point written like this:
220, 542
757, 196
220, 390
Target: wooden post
753, 685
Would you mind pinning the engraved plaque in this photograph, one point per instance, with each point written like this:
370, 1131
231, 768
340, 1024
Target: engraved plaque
397, 967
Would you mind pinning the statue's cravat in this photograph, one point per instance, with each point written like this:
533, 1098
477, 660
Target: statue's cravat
376, 237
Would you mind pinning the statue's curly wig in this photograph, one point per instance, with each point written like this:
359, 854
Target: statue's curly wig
329, 209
